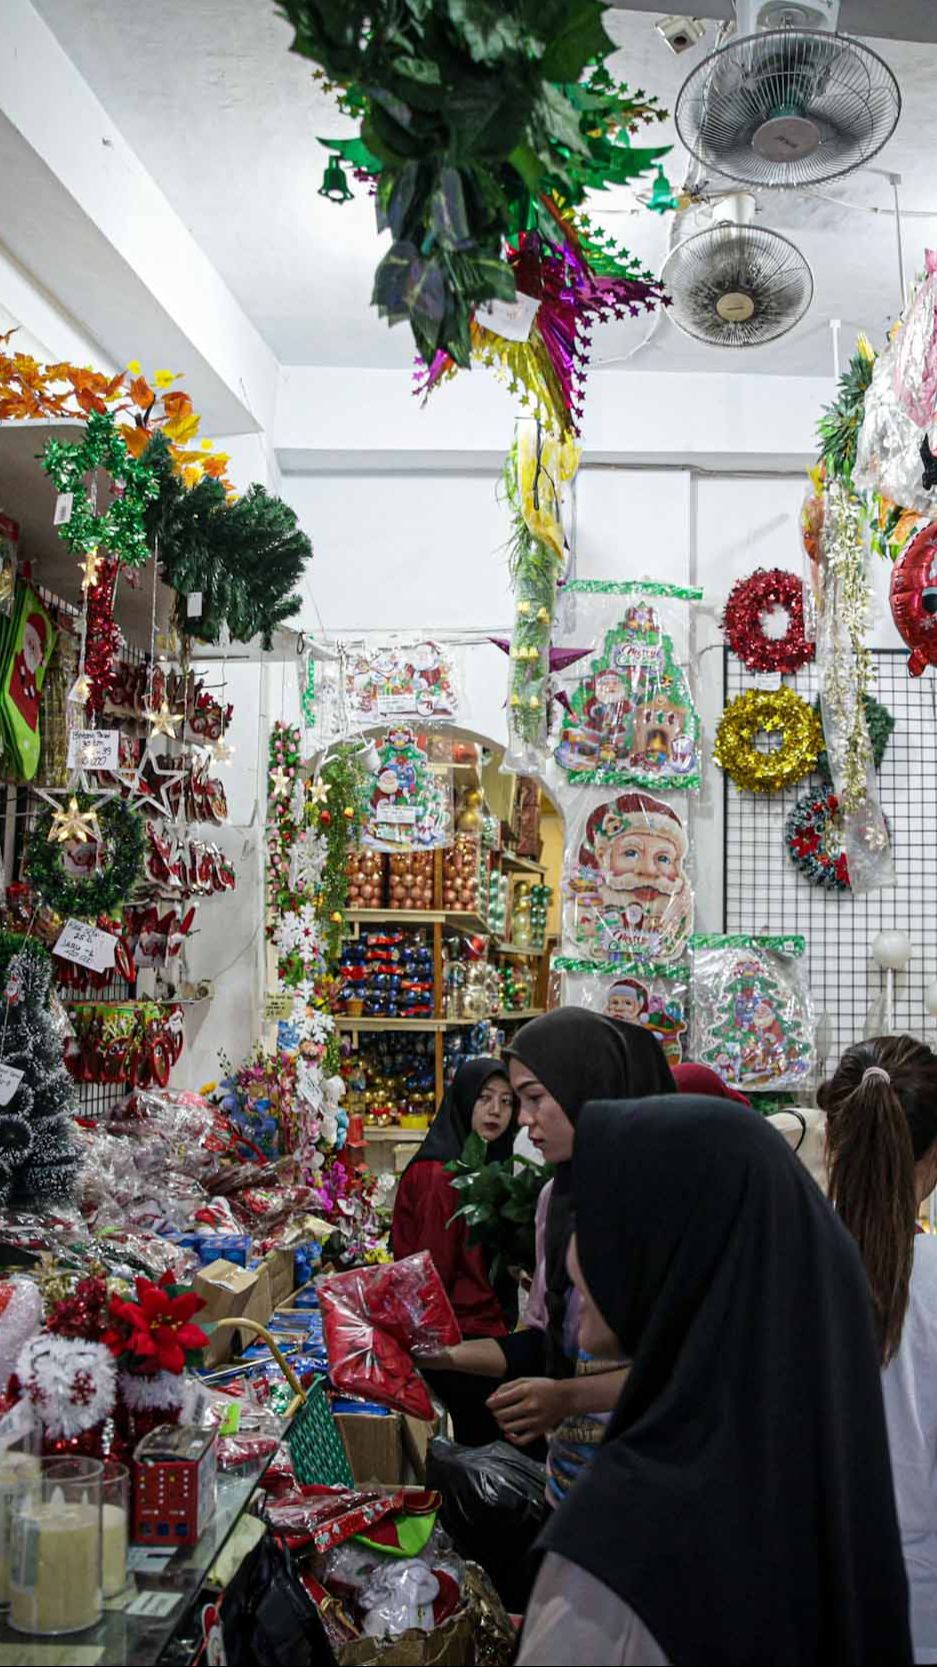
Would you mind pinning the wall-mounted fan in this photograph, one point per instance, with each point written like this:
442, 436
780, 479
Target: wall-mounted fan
788, 102
736, 284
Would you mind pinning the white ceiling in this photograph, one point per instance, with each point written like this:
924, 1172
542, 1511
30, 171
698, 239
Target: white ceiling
226, 120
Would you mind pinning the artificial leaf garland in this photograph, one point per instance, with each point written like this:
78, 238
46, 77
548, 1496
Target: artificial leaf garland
879, 723
838, 428
776, 711
104, 887
475, 125
119, 528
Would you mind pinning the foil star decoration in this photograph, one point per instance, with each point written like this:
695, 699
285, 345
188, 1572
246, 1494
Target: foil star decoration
164, 722
70, 823
318, 792
279, 781
222, 751
91, 568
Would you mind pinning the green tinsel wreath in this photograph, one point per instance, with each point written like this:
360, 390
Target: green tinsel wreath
119, 528
122, 833
880, 724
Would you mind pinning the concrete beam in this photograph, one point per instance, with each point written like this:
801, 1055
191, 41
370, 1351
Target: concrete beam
82, 216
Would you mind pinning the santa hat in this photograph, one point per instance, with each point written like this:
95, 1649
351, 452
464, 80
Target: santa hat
645, 815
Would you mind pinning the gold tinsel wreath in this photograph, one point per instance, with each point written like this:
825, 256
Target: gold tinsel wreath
775, 710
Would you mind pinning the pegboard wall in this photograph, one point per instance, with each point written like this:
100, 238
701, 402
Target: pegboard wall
764, 892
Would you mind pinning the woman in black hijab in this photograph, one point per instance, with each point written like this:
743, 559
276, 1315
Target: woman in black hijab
741, 1508
557, 1063
479, 1100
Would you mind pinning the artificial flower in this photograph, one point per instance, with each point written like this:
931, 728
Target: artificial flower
156, 1331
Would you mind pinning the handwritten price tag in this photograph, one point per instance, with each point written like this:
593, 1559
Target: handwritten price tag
86, 946
278, 1006
94, 749
10, 1079
512, 320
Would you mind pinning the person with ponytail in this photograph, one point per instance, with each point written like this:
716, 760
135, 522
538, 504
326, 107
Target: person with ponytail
881, 1134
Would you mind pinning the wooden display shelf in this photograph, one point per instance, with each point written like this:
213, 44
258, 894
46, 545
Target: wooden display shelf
387, 1131
456, 919
511, 1013
345, 1021
524, 865
516, 949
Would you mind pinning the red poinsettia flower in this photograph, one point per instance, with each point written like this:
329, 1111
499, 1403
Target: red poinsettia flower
842, 869
156, 1330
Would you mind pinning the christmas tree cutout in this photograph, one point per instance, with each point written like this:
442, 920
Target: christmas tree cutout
759, 1035
39, 1157
410, 805
633, 722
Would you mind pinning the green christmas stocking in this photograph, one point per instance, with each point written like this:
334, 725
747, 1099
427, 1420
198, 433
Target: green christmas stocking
29, 650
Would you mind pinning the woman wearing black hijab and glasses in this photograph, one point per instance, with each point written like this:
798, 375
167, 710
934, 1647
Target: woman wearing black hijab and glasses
741, 1508
557, 1063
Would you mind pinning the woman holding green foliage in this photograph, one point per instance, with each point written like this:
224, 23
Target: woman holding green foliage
479, 1102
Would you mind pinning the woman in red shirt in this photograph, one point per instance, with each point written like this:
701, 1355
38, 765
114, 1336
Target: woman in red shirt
479, 1101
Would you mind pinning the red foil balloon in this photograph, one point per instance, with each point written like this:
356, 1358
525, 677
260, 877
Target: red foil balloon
914, 599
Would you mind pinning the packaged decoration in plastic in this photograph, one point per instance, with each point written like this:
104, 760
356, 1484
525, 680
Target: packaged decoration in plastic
888, 451
655, 998
401, 680
915, 363
374, 1319
753, 1018
631, 719
410, 799
627, 894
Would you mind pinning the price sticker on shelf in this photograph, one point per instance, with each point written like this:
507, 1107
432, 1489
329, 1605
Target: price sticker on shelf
86, 946
10, 1079
277, 1006
94, 749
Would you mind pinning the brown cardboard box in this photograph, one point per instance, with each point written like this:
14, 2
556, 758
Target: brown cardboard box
374, 1446
279, 1266
231, 1292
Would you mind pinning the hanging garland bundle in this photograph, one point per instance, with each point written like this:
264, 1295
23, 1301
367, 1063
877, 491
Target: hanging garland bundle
879, 723
119, 528
838, 428
474, 124
104, 888
743, 621
814, 839
778, 711
102, 638
243, 558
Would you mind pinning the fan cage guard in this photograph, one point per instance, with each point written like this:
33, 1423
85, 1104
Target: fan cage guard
748, 261
807, 82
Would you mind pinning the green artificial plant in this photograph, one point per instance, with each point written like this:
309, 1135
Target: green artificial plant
499, 1204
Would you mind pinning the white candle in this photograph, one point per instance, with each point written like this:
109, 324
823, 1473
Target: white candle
55, 1573
17, 1472
114, 1541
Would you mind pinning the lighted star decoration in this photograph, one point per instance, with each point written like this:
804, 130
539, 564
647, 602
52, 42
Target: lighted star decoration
222, 751
70, 823
279, 781
90, 569
164, 722
318, 792
80, 690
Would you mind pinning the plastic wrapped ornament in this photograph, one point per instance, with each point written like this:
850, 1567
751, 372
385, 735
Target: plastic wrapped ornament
888, 452
913, 598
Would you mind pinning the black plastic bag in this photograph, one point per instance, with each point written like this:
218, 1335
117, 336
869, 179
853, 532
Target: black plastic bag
493, 1508
268, 1617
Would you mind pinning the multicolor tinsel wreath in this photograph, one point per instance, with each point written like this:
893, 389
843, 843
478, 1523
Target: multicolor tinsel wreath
743, 621
119, 528
770, 711
814, 839
879, 723
103, 889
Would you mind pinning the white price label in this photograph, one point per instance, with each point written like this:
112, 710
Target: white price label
513, 320
63, 509
94, 749
193, 605
86, 946
768, 680
10, 1079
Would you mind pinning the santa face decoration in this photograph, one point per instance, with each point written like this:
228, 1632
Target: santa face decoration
914, 599
628, 896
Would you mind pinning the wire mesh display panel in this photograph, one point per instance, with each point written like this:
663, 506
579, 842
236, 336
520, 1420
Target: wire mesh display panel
763, 891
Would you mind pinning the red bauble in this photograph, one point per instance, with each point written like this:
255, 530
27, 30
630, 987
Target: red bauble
325, 817
914, 599
749, 601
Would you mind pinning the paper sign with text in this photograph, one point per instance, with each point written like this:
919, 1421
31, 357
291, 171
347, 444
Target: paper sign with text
94, 749
10, 1079
278, 1006
85, 945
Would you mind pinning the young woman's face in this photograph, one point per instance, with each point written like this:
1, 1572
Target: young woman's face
595, 1336
550, 1129
493, 1109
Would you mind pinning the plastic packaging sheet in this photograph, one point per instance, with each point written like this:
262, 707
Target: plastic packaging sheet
375, 1318
397, 679
753, 1019
627, 892
888, 453
631, 719
409, 796
658, 1000
915, 361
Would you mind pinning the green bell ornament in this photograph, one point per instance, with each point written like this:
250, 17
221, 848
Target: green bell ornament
662, 199
334, 184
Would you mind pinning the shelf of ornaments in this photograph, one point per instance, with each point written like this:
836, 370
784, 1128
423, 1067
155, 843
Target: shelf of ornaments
28, 496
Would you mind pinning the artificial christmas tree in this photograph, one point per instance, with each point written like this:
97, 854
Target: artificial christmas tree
39, 1157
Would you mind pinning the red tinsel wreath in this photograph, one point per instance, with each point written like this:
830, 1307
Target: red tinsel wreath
749, 601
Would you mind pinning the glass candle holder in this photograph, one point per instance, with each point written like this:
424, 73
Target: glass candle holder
19, 1469
115, 1516
55, 1567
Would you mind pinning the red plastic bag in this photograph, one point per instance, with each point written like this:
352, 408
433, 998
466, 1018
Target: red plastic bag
407, 1299
366, 1361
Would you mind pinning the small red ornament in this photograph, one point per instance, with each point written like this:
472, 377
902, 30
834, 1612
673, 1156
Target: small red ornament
913, 599
743, 621
325, 817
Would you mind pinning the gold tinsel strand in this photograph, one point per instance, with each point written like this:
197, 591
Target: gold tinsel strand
775, 711
849, 673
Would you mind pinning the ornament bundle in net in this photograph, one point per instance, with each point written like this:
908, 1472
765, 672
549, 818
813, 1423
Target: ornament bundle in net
753, 1019
656, 1000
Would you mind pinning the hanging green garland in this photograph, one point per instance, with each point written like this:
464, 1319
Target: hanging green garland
105, 888
879, 723
119, 528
